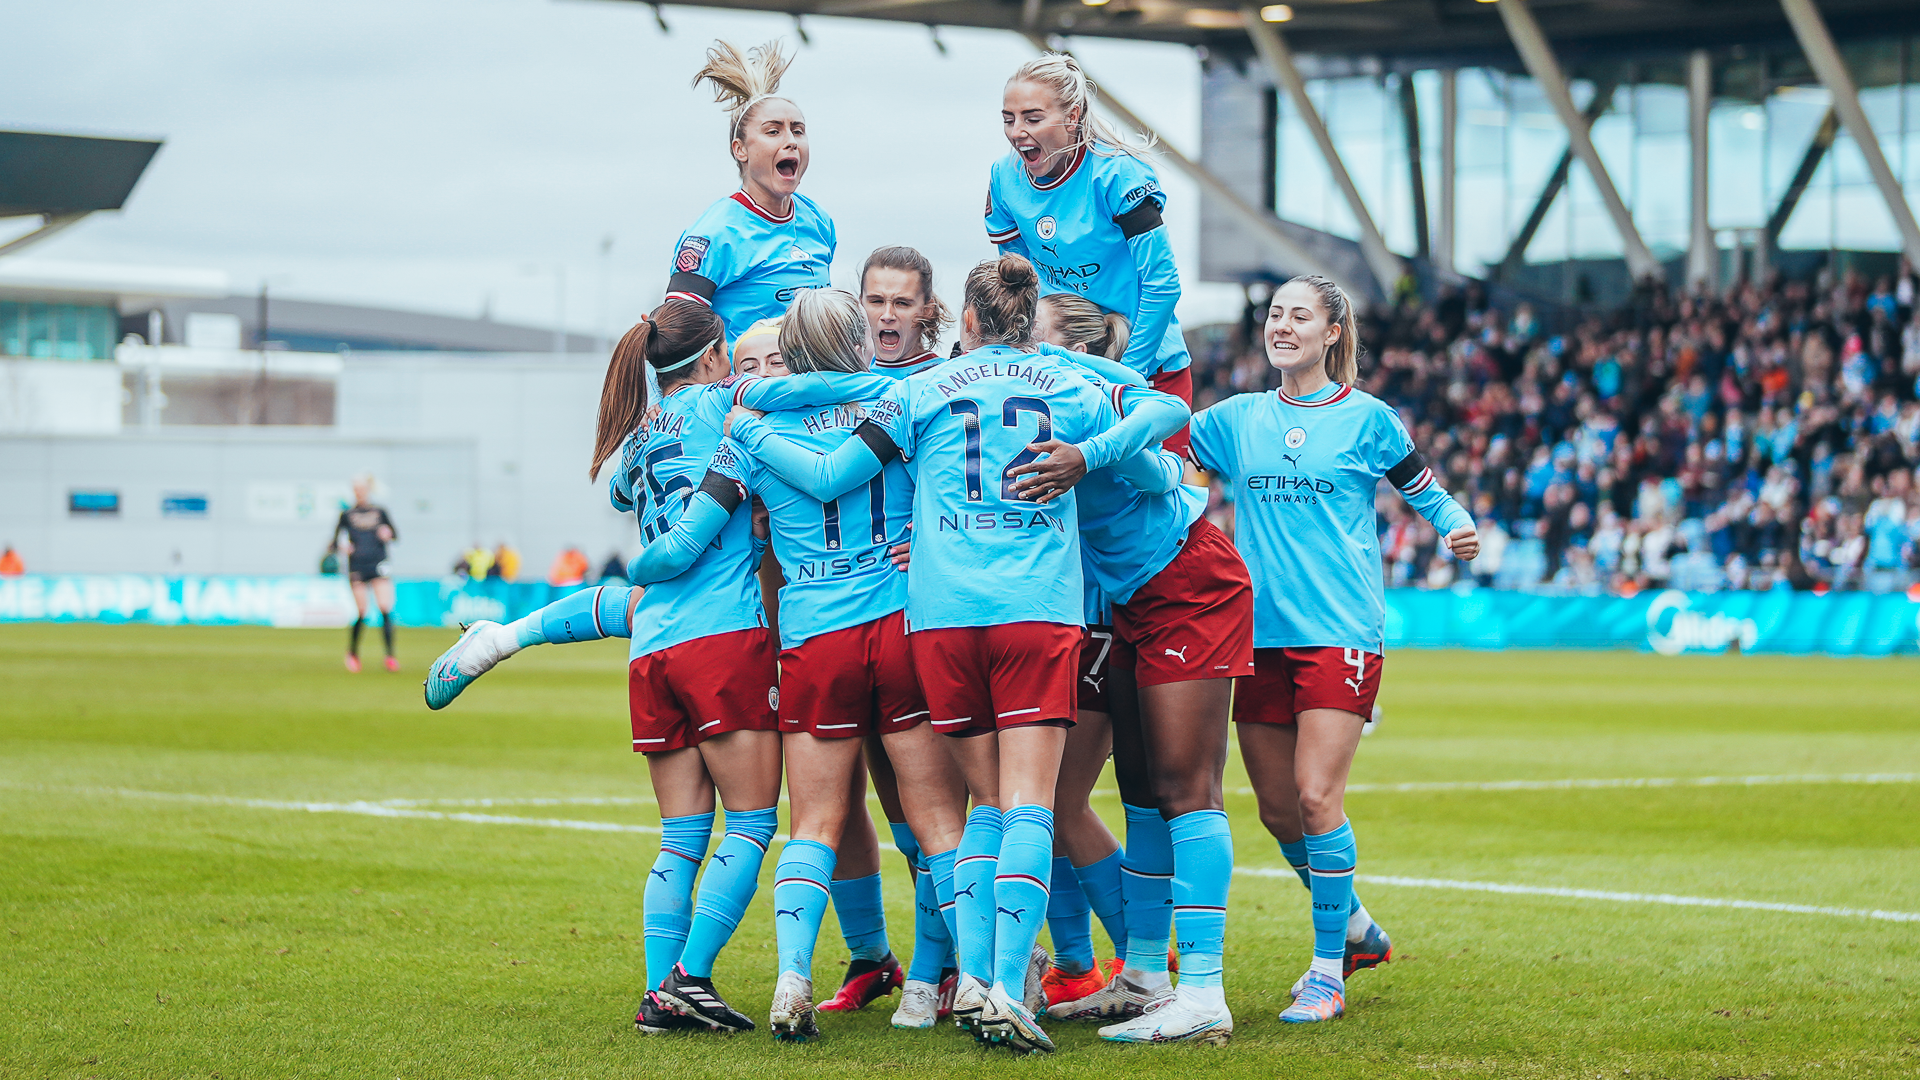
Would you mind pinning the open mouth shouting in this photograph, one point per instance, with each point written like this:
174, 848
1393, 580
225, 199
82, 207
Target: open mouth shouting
888, 340
787, 165
1028, 150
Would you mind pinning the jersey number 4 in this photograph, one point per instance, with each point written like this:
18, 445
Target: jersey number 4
968, 411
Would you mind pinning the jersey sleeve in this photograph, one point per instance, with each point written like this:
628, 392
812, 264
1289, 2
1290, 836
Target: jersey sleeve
806, 390
706, 258
1395, 457
669, 555
387, 520
732, 461
620, 484
1147, 417
1002, 229
822, 476
893, 415
1130, 195
1210, 439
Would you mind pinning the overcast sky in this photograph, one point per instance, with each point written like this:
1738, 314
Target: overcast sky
448, 155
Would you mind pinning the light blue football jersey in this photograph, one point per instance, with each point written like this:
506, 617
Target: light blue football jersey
981, 555
834, 554
1095, 230
911, 365
748, 263
1303, 473
661, 466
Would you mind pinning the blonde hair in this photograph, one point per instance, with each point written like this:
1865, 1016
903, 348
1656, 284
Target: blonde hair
934, 316
1061, 75
742, 82
1002, 293
1087, 326
762, 328
1343, 356
824, 330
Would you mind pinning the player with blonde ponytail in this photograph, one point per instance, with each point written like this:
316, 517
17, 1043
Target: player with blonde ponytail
752, 251
1082, 202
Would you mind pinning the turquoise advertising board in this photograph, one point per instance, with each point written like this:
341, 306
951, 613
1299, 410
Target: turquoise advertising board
1668, 622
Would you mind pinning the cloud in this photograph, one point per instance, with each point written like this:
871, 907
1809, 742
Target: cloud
446, 155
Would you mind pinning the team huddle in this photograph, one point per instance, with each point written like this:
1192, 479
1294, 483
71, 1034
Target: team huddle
987, 578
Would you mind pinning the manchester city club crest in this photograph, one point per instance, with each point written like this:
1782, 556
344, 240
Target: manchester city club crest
1295, 437
1046, 227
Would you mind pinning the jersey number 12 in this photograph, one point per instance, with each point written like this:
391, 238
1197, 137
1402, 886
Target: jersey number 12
968, 411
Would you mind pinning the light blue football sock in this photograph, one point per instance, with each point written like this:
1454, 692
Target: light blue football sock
1202, 869
666, 906
1146, 880
930, 942
1296, 856
1100, 883
941, 868
1069, 919
733, 875
973, 872
585, 615
1020, 892
800, 893
863, 921
1330, 860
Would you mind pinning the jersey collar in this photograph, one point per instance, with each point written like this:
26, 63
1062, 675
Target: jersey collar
746, 200
1073, 166
1340, 394
911, 361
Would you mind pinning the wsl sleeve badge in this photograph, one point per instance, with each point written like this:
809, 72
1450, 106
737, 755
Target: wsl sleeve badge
693, 251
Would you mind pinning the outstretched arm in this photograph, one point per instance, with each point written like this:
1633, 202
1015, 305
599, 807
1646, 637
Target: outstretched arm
1154, 471
1149, 417
1111, 370
805, 390
1417, 484
701, 520
1159, 285
822, 476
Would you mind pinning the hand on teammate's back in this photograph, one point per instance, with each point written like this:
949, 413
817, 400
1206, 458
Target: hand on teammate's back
737, 412
1053, 474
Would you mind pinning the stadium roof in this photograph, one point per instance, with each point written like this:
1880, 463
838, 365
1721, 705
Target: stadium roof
68, 174
1442, 32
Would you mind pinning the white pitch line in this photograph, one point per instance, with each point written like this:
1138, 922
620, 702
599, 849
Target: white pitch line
1635, 782
1598, 894
571, 800
382, 809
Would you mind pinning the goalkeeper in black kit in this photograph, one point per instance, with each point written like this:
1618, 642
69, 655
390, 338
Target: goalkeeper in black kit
368, 531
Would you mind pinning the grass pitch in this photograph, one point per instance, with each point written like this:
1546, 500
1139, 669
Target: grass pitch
259, 936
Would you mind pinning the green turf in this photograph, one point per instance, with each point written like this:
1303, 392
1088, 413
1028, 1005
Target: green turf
156, 938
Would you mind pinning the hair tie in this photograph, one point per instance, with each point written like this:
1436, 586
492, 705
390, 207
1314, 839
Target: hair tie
683, 363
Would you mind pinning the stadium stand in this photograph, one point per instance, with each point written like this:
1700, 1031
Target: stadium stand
1762, 437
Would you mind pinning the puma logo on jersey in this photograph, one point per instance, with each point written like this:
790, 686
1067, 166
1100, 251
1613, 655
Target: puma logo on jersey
1292, 460
1181, 655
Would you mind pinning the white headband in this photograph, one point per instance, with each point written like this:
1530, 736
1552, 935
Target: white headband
740, 121
702, 351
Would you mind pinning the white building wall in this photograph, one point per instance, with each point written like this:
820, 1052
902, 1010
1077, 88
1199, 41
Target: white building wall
530, 420
59, 397
466, 448
271, 495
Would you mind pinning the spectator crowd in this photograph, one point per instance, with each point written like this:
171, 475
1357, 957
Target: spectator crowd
1760, 438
